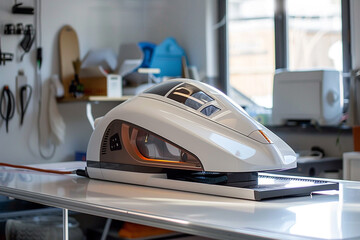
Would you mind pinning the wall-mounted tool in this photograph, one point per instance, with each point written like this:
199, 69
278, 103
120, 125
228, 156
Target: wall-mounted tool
28, 40
17, 9
7, 105
23, 94
4, 57
39, 57
9, 29
19, 28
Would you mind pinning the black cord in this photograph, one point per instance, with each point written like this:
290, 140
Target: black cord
10, 106
28, 40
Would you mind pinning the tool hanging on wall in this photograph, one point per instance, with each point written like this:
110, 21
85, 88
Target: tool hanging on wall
10, 29
23, 94
16, 9
25, 90
19, 28
4, 57
28, 40
7, 105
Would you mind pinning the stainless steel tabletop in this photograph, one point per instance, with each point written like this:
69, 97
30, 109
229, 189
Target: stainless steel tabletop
330, 215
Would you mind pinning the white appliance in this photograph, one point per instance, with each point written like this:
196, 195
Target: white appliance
114, 85
183, 135
351, 166
315, 96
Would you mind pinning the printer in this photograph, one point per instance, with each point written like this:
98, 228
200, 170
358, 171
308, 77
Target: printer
315, 96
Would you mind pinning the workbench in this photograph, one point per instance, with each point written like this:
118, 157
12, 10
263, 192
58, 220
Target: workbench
329, 215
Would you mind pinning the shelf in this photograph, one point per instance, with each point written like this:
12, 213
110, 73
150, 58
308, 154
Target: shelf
109, 99
311, 129
94, 99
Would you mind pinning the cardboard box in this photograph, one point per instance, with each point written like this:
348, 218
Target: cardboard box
98, 83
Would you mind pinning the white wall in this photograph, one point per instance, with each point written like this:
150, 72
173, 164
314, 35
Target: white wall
190, 22
98, 24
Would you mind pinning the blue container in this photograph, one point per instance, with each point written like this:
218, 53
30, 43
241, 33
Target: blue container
167, 56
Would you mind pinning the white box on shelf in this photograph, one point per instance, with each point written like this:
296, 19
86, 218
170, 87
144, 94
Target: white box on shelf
114, 85
351, 166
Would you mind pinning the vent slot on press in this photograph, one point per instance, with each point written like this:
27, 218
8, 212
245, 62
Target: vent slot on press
105, 142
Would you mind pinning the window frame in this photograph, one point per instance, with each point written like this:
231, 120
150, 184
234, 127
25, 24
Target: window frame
281, 43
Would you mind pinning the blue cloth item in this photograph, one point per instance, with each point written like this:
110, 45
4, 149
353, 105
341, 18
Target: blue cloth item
167, 56
147, 48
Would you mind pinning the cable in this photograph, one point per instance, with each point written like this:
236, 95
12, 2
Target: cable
38, 40
38, 169
8, 101
79, 172
40, 23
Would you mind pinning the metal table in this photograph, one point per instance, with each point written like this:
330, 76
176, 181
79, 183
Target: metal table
330, 215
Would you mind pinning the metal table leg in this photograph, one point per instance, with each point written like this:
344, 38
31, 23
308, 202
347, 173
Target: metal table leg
65, 224
89, 115
106, 229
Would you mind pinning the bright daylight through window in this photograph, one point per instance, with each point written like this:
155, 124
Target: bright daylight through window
314, 41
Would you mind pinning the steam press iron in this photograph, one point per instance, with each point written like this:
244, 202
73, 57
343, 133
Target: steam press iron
186, 135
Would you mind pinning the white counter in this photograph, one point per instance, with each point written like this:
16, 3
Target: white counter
326, 216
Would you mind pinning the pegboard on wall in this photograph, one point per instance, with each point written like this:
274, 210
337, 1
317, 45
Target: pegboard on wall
11, 37
12, 30
12, 27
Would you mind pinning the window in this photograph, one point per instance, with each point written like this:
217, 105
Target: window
289, 34
187, 94
162, 89
153, 147
190, 95
314, 34
252, 48
209, 110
